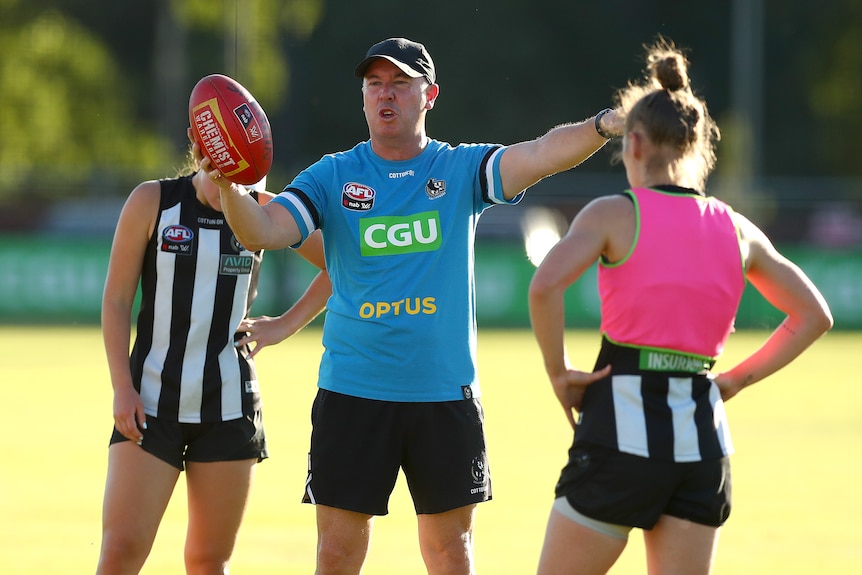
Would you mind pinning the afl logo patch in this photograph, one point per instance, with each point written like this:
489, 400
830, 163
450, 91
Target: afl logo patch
177, 239
357, 197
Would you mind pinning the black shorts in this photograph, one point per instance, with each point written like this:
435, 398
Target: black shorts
176, 443
358, 445
625, 489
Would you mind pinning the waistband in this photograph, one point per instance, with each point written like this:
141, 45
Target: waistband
651, 358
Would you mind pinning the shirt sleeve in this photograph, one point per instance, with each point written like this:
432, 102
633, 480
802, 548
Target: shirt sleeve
492, 182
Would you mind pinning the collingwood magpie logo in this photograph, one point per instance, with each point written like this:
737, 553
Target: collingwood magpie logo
234, 243
479, 472
435, 188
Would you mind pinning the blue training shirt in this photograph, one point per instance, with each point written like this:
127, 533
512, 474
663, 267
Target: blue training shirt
398, 237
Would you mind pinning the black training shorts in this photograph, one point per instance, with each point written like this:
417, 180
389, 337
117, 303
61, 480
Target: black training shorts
625, 489
358, 446
176, 443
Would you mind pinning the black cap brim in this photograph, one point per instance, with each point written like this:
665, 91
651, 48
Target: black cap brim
363, 66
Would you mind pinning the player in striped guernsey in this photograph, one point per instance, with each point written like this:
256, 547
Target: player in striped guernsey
651, 442
187, 398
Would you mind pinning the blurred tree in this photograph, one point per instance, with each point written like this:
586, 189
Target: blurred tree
834, 86
507, 73
66, 109
95, 91
813, 88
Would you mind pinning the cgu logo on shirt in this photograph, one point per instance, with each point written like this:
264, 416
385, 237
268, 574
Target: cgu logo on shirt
395, 235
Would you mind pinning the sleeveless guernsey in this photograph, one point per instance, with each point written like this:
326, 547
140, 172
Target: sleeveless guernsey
197, 284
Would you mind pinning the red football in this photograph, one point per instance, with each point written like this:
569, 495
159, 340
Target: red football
231, 128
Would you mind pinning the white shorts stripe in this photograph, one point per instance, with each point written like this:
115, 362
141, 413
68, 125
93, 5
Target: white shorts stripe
720, 420
629, 414
685, 438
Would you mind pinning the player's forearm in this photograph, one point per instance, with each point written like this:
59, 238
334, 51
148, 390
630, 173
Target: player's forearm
547, 318
308, 306
116, 334
567, 146
248, 220
785, 344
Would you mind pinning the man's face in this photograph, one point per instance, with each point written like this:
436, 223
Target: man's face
394, 103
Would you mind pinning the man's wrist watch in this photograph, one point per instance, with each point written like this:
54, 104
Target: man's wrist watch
598, 123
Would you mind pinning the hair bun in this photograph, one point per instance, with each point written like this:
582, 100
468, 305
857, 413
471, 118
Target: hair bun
669, 69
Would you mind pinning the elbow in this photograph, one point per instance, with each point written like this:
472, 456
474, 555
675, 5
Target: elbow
536, 291
825, 320
541, 290
821, 316
250, 243
253, 247
816, 321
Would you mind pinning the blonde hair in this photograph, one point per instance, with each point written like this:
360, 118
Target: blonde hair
671, 115
189, 166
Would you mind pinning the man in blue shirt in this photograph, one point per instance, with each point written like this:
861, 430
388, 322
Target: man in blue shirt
398, 385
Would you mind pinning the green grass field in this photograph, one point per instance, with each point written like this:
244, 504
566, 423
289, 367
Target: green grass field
797, 471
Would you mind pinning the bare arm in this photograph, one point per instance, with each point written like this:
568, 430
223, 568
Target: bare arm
256, 227
265, 330
588, 237
562, 148
133, 231
786, 287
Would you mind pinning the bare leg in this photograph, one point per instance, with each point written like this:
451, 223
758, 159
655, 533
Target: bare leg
679, 547
446, 541
571, 548
137, 491
343, 538
217, 496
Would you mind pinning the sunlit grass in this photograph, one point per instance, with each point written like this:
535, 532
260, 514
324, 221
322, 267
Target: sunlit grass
796, 472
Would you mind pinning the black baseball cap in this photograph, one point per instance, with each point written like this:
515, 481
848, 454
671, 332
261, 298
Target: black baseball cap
411, 58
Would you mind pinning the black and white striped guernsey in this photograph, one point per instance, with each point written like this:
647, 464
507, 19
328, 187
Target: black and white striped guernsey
664, 408
197, 284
